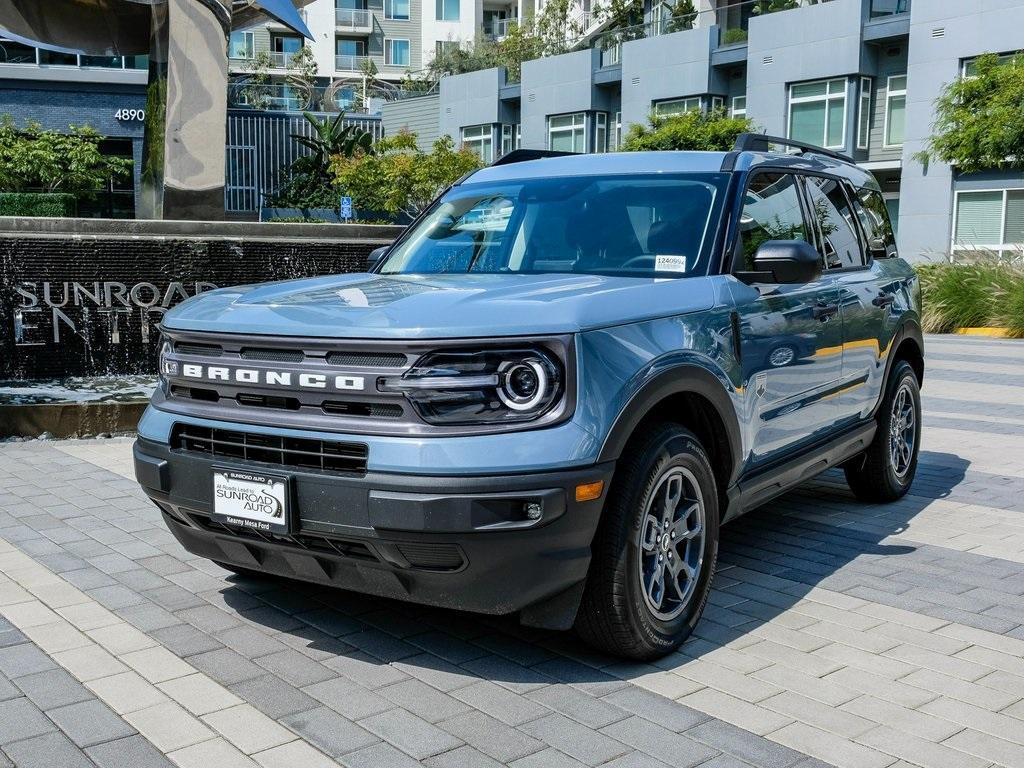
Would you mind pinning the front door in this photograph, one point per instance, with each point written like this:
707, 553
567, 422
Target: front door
791, 335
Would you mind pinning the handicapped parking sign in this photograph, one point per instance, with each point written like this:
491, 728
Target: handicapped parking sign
345, 208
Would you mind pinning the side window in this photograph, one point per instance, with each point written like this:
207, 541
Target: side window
771, 211
839, 241
874, 219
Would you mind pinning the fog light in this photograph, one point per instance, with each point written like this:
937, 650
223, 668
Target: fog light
533, 511
589, 491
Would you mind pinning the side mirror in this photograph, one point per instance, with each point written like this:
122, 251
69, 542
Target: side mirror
375, 257
788, 261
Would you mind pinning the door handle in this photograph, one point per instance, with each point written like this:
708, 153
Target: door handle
824, 312
884, 300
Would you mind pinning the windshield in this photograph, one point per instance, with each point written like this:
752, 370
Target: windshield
651, 225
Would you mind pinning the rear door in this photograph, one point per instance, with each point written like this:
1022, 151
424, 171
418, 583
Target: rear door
862, 300
791, 335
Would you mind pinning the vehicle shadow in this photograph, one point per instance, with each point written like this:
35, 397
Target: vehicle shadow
816, 536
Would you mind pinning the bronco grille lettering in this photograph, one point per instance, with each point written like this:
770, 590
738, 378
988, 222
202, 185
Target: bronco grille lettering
272, 378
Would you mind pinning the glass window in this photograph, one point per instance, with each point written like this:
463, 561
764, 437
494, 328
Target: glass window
107, 62
601, 132
615, 140
396, 52
895, 110
54, 58
288, 45
447, 10
874, 220
771, 211
12, 52
864, 114
242, 45
396, 9
509, 138
717, 102
345, 46
566, 133
477, 139
990, 220
838, 239
817, 112
635, 226
970, 66
677, 106
739, 107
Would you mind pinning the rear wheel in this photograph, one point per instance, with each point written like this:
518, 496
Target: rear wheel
655, 550
885, 471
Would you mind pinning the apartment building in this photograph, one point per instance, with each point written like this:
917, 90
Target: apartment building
859, 76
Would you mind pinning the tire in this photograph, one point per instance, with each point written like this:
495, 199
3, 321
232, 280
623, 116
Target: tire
883, 473
619, 613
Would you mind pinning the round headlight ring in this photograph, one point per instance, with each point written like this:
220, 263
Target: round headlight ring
518, 401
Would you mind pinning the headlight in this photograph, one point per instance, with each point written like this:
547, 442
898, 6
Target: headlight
166, 366
481, 387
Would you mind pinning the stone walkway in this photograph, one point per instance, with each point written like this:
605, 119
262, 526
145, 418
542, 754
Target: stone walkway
838, 633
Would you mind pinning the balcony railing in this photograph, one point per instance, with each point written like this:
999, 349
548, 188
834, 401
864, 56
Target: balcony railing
353, 18
345, 62
498, 28
881, 8
733, 19
280, 59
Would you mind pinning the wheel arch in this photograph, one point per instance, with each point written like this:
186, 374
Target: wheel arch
695, 398
907, 344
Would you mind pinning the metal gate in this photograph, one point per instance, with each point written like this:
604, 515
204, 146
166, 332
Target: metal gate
259, 150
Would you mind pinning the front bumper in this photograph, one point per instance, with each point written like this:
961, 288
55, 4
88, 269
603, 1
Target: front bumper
455, 542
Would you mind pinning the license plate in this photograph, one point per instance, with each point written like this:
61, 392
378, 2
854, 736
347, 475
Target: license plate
250, 500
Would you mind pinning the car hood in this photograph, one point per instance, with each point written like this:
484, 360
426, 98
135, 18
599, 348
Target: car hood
438, 306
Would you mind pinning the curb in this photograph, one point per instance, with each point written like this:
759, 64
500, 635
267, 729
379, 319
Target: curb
995, 333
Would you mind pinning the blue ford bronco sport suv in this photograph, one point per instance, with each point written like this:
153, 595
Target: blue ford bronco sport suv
550, 392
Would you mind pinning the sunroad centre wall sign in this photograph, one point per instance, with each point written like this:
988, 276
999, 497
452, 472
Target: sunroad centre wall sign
88, 305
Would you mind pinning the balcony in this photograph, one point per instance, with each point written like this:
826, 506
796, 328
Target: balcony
353, 20
280, 59
498, 28
345, 62
734, 18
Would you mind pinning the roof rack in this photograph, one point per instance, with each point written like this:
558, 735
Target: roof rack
759, 142
523, 155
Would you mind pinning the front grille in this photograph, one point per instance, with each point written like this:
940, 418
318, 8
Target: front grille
297, 452
437, 557
367, 359
273, 355
207, 350
371, 410
314, 542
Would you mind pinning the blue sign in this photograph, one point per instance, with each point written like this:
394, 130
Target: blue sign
345, 209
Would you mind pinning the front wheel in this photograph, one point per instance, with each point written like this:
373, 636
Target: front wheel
885, 471
655, 550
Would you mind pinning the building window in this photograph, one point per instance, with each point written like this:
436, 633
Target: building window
601, 132
677, 106
817, 112
717, 103
396, 9
242, 46
567, 133
895, 110
396, 52
864, 114
991, 220
447, 10
969, 68
509, 138
348, 53
442, 47
615, 139
738, 107
477, 139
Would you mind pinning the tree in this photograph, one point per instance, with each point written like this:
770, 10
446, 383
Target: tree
398, 177
302, 71
771, 6
311, 183
37, 159
711, 131
979, 120
255, 89
683, 14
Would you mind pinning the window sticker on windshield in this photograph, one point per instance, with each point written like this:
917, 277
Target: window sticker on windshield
664, 263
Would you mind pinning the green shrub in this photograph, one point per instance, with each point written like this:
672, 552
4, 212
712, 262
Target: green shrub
36, 204
733, 36
982, 292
